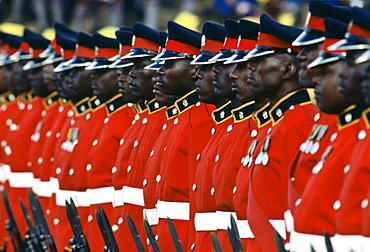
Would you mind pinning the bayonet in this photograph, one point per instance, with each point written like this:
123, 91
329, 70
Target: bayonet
32, 239
102, 231
79, 242
112, 244
135, 234
234, 236
279, 242
150, 234
11, 226
174, 236
216, 243
328, 244
40, 221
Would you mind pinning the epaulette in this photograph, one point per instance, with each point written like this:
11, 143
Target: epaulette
222, 113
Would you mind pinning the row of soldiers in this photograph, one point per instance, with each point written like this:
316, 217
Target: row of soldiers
266, 123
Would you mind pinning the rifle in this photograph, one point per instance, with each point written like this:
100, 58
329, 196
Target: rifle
216, 243
78, 242
105, 229
32, 239
234, 236
40, 222
279, 242
11, 226
328, 244
150, 234
3, 249
174, 236
135, 233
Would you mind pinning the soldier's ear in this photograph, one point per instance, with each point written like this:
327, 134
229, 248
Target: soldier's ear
193, 70
290, 70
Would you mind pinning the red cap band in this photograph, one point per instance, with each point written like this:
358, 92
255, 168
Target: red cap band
230, 43
124, 50
316, 23
176, 46
246, 44
24, 47
359, 31
106, 52
145, 43
67, 54
36, 53
57, 49
212, 46
85, 52
329, 42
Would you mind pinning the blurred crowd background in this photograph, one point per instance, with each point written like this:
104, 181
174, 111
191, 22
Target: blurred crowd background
93, 15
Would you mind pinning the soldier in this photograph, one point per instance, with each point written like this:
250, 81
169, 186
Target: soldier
311, 150
274, 73
176, 78
202, 158
238, 133
328, 174
136, 143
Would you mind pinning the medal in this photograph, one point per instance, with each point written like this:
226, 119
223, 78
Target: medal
265, 158
315, 148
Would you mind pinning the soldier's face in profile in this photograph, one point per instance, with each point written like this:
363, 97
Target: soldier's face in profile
48, 76
239, 83
3, 87
352, 77
9, 78
176, 77
141, 79
305, 57
21, 77
124, 89
222, 81
327, 95
264, 74
204, 84
161, 98
79, 82
35, 77
104, 83
61, 84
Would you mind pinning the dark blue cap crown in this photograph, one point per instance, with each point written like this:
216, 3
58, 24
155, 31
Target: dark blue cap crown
183, 35
105, 42
248, 29
335, 29
360, 17
36, 41
12, 40
142, 31
66, 40
322, 9
162, 38
125, 28
283, 32
63, 28
214, 31
85, 40
232, 28
124, 37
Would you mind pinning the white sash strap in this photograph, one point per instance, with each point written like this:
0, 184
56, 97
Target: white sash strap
223, 219
205, 221
100, 195
279, 226
21, 179
173, 210
117, 198
300, 242
244, 229
35, 185
132, 195
151, 215
54, 184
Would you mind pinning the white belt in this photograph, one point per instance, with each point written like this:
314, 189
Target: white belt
244, 229
173, 210
117, 198
223, 219
366, 243
54, 184
345, 243
300, 242
35, 185
79, 198
100, 195
279, 226
21, 179
151, 215
44, 189
205, 221
133, 195
4, 172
